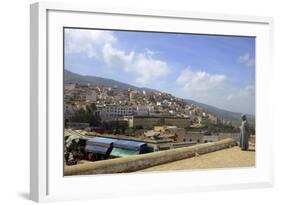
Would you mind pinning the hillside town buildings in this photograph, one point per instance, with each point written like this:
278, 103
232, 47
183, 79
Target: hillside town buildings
140, 108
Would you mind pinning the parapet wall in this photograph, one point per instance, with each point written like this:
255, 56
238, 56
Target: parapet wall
226, 135
138, 162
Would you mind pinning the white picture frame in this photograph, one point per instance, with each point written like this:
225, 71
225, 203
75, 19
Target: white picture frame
46, 160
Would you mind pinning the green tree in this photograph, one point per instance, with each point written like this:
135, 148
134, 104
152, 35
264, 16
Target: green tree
87, 115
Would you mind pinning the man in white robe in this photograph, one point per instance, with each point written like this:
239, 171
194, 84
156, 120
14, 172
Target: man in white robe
244, 133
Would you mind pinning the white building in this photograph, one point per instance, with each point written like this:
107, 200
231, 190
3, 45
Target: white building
111, 112
143, 110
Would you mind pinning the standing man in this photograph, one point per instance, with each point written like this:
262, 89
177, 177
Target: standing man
244, 133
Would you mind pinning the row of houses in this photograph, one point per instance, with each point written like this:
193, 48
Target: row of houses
139, 116
135, 118
181, 135
147, 122
110, 112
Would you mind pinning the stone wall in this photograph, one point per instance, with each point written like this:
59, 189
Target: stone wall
138, 162
191, 137
179, 122
226, 135
148, 122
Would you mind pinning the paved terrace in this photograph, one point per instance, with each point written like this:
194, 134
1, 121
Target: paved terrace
226, 158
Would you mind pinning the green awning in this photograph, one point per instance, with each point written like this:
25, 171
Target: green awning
119, 152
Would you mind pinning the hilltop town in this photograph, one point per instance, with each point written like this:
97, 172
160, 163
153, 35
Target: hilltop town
113, 103
133, 111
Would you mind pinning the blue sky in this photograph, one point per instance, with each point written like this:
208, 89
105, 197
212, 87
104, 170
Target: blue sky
216, 70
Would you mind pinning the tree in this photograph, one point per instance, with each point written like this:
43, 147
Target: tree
87, 115
115, 127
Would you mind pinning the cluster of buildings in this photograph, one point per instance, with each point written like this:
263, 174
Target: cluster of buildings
139, 108
166, 137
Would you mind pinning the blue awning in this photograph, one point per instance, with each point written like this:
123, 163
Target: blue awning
132, 145
97, 149
100, 140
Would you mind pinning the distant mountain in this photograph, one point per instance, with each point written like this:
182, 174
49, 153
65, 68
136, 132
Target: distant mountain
70, 77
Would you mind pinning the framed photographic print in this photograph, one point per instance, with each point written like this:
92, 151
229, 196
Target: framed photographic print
147, 101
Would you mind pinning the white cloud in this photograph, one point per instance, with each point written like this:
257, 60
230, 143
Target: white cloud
247, 92
89, 42
143, 67
247, 60
149, 69
242, 100
116, 57
229, 97
199, 81
214, 89
150, 52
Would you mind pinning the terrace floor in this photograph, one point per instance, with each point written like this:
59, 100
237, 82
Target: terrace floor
226, 158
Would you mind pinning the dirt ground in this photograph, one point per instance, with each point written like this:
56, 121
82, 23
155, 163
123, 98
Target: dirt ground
227, 158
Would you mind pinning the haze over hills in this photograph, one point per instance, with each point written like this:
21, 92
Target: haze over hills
70, 77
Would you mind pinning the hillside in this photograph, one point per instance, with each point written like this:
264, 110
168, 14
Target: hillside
227, 115
70, 77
